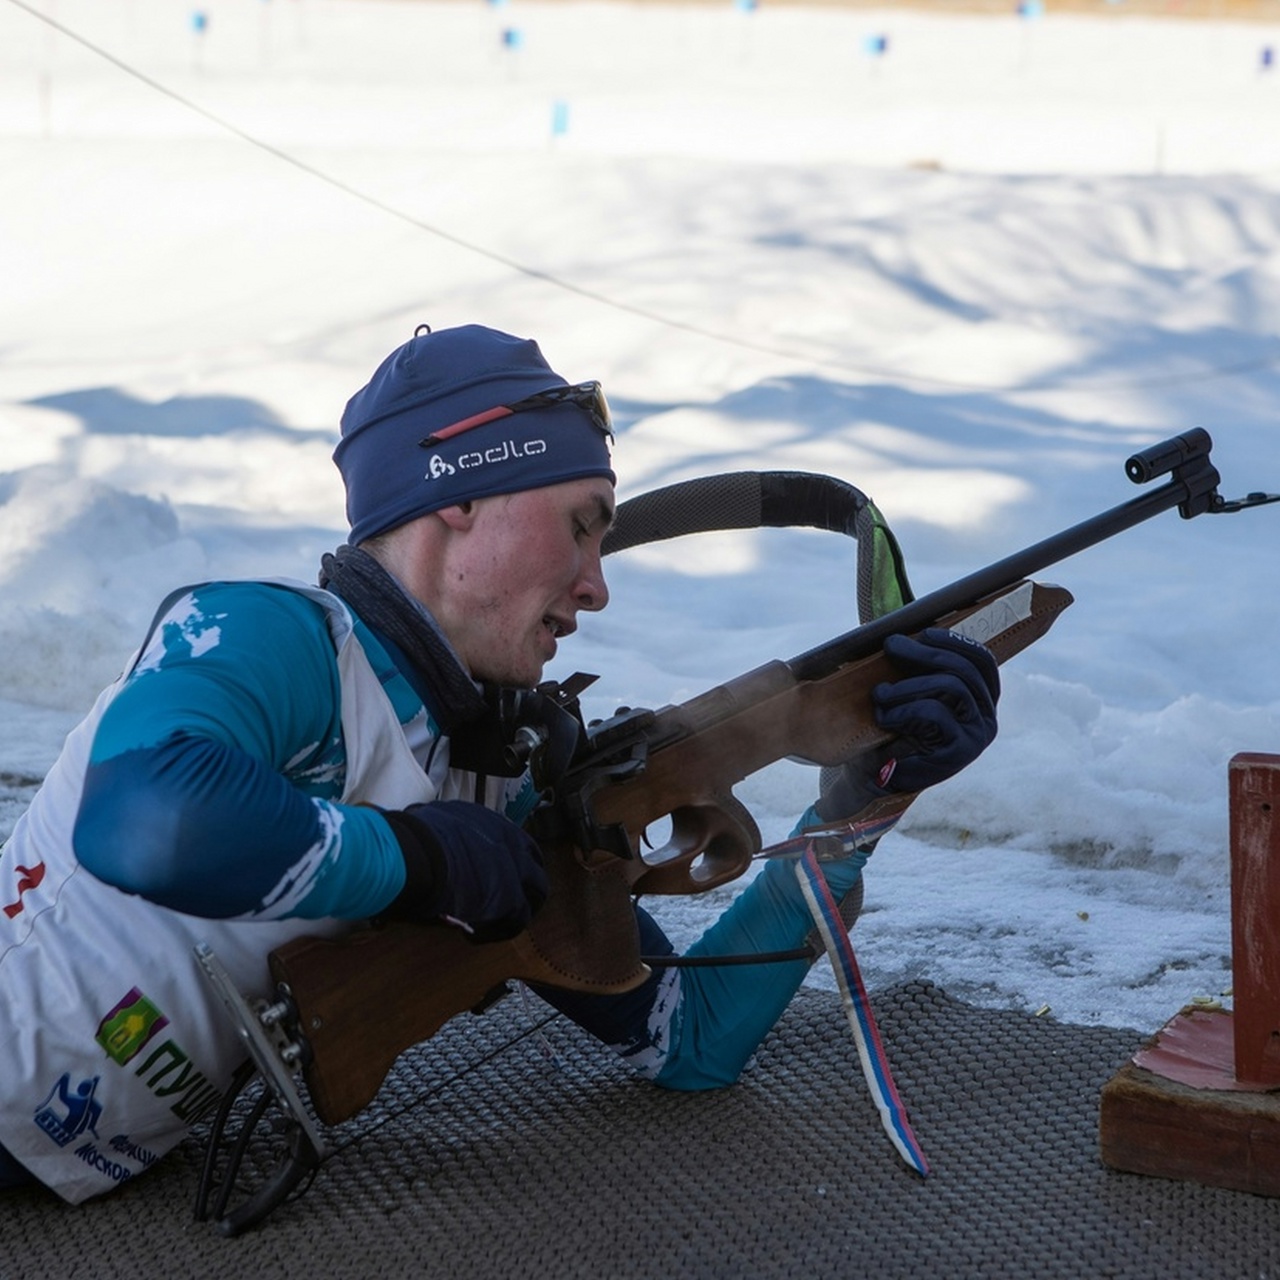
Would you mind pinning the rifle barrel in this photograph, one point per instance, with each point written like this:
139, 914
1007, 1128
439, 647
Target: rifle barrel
917, 614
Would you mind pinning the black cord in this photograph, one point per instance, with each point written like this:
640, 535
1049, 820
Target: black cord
711, 962
243, 1074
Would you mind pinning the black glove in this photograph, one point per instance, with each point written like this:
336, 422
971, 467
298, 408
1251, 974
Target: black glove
468, 865
943, 713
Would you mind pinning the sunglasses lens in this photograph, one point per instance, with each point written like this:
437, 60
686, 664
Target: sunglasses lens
587, 396
597, 406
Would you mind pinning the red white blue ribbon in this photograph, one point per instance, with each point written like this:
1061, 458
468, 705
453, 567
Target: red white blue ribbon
836, 840
866, 1035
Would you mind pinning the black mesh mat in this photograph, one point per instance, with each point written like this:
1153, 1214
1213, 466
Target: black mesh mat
486, 1158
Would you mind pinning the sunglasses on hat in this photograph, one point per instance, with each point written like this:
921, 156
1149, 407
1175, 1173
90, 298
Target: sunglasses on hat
587, 396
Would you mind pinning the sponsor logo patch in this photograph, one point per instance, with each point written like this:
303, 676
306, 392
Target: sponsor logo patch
29, 879
165, 1069
124, 1031
67, 1113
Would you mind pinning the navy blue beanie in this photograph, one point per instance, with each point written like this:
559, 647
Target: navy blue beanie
438, 380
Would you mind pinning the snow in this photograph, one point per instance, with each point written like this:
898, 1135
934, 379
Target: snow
970, 275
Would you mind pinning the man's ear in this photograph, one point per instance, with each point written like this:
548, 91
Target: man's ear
459, 517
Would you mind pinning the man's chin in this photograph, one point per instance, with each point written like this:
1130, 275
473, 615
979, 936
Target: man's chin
513, 676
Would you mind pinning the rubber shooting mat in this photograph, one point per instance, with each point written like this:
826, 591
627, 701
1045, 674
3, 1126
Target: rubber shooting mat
511, 1145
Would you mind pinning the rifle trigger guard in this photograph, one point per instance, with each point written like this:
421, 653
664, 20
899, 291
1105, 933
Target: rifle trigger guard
710, 844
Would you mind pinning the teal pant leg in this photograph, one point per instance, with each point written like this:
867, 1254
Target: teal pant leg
724, 1012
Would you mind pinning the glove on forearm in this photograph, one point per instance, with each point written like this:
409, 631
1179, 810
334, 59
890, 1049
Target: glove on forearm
469, 865
942, 713
944, 710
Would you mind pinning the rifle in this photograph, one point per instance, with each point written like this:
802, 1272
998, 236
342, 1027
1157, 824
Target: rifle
344, 1011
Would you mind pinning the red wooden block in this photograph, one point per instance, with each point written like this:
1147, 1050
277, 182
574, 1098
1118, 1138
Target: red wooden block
1255, 916
1201, 1100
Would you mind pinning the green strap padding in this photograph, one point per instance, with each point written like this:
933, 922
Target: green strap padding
882, 574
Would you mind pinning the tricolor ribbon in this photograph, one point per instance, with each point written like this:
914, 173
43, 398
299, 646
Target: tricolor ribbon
866, 1035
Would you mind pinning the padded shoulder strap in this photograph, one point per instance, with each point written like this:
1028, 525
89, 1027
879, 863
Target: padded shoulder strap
773, 499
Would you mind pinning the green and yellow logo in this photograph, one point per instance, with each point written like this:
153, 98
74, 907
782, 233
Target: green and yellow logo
129, 1026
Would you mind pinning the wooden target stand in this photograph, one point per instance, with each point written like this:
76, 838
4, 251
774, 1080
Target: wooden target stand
1201, 1100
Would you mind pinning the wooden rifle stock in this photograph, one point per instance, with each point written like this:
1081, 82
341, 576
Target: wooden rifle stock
364, 999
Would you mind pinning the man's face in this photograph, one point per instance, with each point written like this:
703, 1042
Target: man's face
529, 563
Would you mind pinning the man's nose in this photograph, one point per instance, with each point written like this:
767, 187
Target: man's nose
592, 593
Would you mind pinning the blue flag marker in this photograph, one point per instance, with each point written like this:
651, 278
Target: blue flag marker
559, 119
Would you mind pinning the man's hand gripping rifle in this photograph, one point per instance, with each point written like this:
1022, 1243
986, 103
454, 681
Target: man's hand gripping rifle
344, 1010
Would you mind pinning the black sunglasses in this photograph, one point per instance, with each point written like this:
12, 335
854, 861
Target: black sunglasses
587, 396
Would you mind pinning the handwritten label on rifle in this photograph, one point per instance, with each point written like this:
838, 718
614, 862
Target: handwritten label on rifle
998, 616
